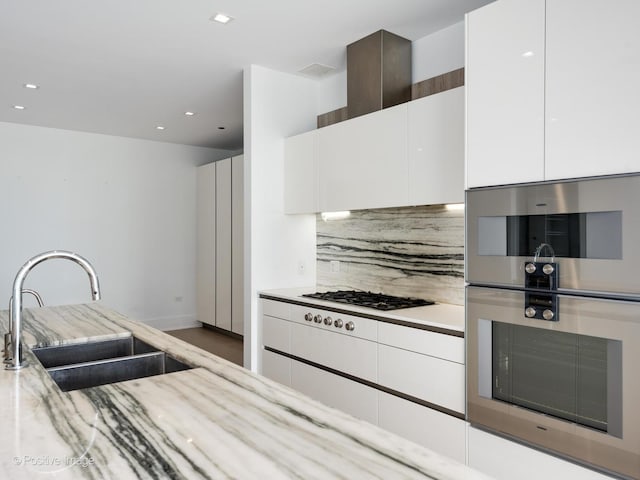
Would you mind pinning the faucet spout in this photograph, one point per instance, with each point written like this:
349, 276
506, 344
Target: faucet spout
16, 312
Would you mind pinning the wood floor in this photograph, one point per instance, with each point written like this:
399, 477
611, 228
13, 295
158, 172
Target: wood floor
225, 346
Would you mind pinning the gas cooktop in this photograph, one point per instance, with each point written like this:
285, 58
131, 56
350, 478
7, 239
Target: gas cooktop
368, 299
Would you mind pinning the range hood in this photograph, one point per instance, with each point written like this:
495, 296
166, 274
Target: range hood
378, 73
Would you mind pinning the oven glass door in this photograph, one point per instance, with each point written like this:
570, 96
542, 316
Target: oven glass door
565, 375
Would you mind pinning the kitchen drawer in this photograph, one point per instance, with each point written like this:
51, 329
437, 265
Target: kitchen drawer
438, 431
335, 391
276, 309
434, 380
434, 344
364, 327
276, 367
341, 352
276, 333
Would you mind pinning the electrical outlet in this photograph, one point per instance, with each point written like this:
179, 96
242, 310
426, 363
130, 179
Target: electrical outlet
334, 266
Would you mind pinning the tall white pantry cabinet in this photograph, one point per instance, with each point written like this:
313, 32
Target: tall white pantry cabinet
219, 249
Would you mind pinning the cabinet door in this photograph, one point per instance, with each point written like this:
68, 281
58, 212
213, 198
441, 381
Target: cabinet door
363, 162
351, 397
301, 173
223, 244
505, 93
206, 244
593, 76
434, 380
276, 367
436, 148
237, 245
440, 432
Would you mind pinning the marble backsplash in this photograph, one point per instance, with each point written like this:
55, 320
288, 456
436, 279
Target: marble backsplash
408, 251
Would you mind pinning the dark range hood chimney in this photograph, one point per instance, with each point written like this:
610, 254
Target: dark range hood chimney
378, 73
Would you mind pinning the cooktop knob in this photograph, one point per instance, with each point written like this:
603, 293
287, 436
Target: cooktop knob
530, 312
338, 323
308, 317
548, 269
350, 326
547, 314
317, 318
530, 268
328, 321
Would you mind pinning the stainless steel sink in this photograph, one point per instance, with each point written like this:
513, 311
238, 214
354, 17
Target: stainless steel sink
86, 365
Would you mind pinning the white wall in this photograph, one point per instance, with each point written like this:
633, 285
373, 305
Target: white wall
127, 205
438, 53
276, 105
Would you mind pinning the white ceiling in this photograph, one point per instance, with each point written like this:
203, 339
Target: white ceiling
122, 67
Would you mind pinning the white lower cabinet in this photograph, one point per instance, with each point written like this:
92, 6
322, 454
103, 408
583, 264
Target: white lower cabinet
506, 460
434, 380
335, 391
437, 431
276, 367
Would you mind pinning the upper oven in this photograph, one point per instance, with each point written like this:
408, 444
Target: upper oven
588, 229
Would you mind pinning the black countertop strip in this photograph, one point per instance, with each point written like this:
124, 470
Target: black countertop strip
404, 323
382, 388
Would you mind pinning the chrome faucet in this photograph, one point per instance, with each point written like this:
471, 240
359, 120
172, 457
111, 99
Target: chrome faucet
16, 362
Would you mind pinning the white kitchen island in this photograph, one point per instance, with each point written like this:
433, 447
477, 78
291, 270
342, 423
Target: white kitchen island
217, 420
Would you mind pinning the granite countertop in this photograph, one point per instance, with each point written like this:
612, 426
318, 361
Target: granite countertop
440, 315
215, 421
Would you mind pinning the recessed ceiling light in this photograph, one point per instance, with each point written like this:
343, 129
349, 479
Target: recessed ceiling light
18, 107
189, 114
221, 18
220, 128
528, 54
159, 127
32, 86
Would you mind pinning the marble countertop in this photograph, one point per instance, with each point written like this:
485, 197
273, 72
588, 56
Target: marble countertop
440, 315
215, 421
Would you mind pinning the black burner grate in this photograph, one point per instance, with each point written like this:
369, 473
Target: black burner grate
369, 299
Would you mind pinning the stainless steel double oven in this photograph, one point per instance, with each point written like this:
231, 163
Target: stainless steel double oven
553, 317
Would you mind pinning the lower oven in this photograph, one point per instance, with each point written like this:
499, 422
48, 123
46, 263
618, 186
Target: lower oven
568, 385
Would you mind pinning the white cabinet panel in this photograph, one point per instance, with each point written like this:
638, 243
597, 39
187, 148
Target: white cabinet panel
206, 244
431, 379
335, 391
434, 344
592, 120
301, 173
506, 460
276, 367
436, 148
276, 333
340, 352
237, 245
223, 244
363, 161
505, 92
440, 432
276, 309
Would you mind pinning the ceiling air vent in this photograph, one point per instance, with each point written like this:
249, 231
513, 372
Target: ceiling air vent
316, 70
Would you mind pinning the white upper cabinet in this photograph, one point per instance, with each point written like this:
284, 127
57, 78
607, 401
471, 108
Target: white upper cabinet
505, 93
436, 148
593, 77
363, 161
301, 173
552, 90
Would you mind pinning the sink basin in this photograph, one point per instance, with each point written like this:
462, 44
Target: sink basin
86, 365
